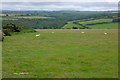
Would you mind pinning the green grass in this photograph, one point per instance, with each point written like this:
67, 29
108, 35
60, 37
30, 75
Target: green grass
64, 54
1, 60
24, 17
104, 26
7, 19
35, 17
96, 21
70, 25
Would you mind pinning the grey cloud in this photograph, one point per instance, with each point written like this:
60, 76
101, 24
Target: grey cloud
59, 5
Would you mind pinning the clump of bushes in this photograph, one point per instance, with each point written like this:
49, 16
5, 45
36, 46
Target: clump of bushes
116, 20
1, 36
7, 32
11, 28
35, 28
75, 27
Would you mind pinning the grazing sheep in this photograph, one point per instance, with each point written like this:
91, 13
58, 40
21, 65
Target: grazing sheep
82, 32
20, 73
105, 33
53, 32
38, 35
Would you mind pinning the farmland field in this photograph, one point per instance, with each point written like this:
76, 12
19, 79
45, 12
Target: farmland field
69, 25
104, 26
92, 24
64, 54
7, 19
34, 17
96, 21
24, 17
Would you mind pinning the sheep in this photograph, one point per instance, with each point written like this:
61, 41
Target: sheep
82, 32
105, 33
23, 73
53, 32
38, 35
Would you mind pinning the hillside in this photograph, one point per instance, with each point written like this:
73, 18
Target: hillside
52, 19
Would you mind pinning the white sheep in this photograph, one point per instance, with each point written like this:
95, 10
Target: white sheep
53, 32
20, 73
105, 33
82, 32
38, 35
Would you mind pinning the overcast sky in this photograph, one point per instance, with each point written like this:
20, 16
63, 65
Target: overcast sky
60, 0
50, 5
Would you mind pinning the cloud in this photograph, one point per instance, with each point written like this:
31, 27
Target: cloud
61, 1
96, 6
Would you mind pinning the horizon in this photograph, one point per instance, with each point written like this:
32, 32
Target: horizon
60, 11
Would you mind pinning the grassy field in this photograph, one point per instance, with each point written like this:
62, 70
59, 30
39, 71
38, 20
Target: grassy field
1, 60
24, 17
7, 19
70, 24
104, 26
96, 21
35, 17
64, 54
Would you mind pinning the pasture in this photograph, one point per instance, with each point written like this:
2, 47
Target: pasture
93, 24
12, 18
34, 17
64, 54
70, 25
105, 26
96, 21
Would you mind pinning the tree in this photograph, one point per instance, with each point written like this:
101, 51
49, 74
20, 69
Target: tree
12, 27
74, 27
116, 20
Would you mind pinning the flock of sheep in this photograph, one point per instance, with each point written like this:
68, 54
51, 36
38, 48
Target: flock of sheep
54, 32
